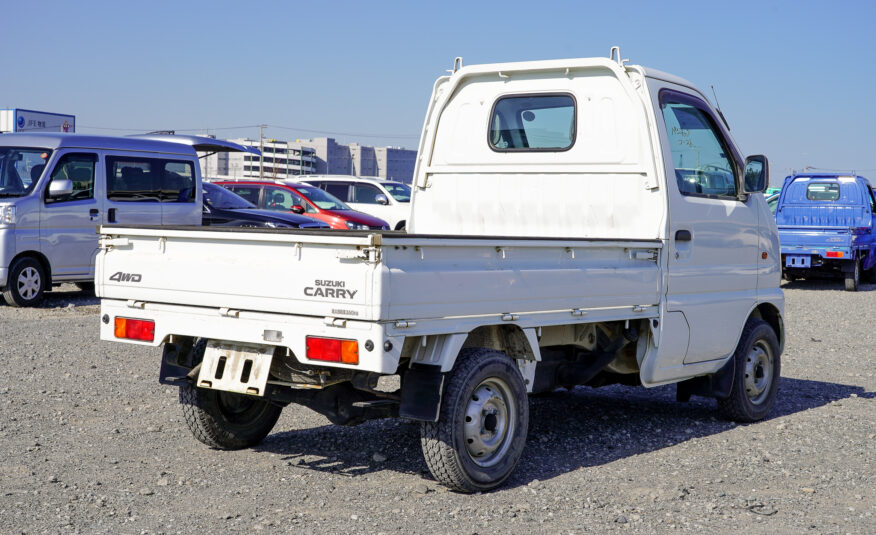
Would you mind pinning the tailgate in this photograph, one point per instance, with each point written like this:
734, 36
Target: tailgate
809, 240
315, 274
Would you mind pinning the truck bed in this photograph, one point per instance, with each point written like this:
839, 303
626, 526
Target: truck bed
373, 276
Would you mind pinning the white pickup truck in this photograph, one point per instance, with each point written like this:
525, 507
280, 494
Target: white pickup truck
574, 222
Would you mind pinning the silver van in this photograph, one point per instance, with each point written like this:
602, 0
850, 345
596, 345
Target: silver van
55, 189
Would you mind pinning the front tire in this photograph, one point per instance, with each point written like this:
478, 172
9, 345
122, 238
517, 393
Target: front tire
853, 278
26, 284
481, 429
756, 375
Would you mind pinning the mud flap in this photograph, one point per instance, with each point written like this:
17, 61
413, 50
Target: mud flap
422, 388
716, 385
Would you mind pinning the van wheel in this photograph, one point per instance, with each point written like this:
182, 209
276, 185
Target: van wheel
756, 375
481, 429
224, 420
26, 284
853, 278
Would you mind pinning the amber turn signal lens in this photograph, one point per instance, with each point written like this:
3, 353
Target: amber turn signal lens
350, 352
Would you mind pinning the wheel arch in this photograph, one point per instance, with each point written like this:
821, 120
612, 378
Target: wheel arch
39, 257
773, 316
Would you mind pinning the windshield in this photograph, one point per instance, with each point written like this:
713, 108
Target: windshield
323, 199
219, 197
399, 192
20, 169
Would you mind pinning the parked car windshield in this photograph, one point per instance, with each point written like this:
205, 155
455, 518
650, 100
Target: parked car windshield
219, 197
399, 192
323, 199
20, 169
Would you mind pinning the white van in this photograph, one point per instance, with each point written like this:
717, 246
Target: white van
56, 189
387, 199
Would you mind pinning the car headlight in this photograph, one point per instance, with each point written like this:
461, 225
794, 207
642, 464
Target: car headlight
276, 224
7, 214
356, 226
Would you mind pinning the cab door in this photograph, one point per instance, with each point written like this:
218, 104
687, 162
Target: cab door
713, 226
68, 224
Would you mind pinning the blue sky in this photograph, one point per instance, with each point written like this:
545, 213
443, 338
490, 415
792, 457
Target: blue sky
795, 79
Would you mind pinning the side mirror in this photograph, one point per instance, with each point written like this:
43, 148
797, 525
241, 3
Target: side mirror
297, 208
60, 187
381, 199
757, 174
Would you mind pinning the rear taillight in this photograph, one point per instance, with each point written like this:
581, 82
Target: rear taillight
834, 254
332, 350
134, 329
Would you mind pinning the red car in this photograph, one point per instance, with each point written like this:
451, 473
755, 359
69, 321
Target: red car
303, 199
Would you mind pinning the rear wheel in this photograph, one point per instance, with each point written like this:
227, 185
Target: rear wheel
853, 278
26, 284
756, 375
481, 429
224, 420
86, 287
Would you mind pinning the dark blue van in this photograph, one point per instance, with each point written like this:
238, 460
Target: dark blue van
826, 227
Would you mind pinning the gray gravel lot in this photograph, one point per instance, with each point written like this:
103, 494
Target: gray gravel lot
91, 443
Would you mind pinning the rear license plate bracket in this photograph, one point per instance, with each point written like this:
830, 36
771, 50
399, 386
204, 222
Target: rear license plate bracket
236, 368
798, 261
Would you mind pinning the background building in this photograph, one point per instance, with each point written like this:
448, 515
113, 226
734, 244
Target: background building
322, 156
19, 120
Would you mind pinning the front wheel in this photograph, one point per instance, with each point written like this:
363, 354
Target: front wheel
227, 421
481, 429
26, 284
853, 278
756, 375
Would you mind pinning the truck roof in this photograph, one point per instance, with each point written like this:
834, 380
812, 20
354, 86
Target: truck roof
172, 144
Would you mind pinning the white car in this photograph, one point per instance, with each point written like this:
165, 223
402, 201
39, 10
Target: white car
387, 199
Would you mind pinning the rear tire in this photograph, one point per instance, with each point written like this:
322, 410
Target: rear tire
26, 284
481, 429
756, 374
853, 278
224, 420
86, 287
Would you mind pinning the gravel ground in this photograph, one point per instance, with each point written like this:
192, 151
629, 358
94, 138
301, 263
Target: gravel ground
91, 443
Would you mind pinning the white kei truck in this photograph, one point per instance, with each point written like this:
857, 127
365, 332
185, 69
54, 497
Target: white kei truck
574, 222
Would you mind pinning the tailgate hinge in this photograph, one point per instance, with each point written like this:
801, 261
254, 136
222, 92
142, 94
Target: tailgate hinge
108, 243
370, 255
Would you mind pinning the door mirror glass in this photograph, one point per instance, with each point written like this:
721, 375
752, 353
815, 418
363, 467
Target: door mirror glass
381, 199
60, 187
297, 208
757, 174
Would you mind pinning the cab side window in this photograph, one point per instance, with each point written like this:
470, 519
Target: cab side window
365, 194
282, 199
79, 169
703, 164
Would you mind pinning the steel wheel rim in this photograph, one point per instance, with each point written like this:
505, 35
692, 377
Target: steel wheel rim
28, 283
758, 372
490, 421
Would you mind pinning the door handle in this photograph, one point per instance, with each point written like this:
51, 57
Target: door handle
682, 235
111, 215
94, 212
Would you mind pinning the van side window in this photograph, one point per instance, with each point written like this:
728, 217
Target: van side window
529, 123
341, 190
178, 183
79, 169
703, 165
149, 180
133, 179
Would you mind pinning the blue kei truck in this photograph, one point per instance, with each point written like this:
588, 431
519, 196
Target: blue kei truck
826, 227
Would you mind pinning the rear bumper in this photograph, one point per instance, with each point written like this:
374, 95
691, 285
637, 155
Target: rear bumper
250, 328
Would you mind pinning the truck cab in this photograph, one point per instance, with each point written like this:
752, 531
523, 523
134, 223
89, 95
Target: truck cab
825, 223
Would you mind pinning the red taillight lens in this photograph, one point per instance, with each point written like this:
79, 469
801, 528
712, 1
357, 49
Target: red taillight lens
332, 350
834, 254
135, 329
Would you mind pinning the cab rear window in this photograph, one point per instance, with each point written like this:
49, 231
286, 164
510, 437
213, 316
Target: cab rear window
822, 191
530, 123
